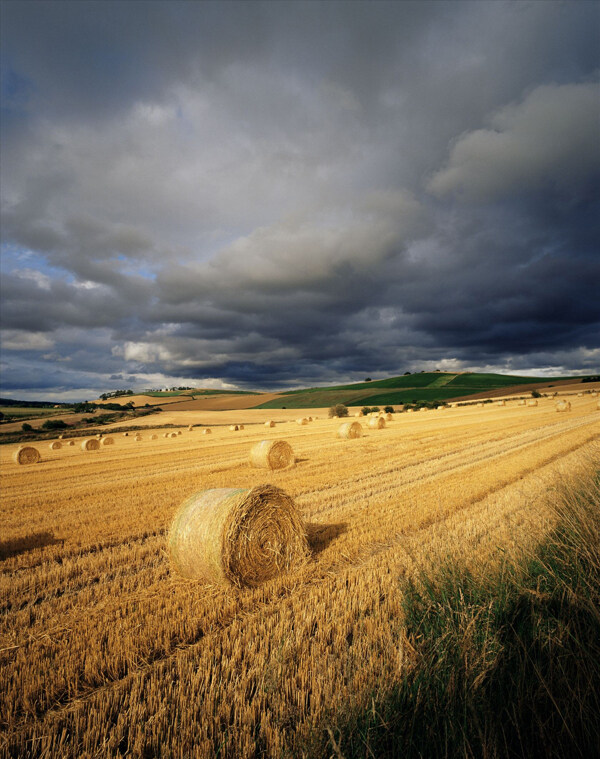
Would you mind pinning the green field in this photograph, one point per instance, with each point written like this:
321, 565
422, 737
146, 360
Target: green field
191, 393
30, 412
409, 388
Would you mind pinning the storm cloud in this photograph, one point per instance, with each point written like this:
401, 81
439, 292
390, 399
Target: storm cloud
268, 195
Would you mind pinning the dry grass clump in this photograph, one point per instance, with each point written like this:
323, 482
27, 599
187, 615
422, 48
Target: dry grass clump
236, 536
270, 423
55, 445
349, 430
272, 454
107, 441
26, 454
563, 406
377, 423
90, 444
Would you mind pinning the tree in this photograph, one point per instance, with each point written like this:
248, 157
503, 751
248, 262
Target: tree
365, 410
388, 409
338, 410
54, 424
26, 427
535, 394
368, 379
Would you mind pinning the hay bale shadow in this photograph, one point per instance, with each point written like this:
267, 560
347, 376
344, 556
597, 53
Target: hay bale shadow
16, 546
321, 535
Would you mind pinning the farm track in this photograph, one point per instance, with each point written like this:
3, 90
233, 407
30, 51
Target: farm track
93, 623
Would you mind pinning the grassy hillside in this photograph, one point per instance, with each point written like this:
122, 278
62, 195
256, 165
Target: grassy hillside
425, 386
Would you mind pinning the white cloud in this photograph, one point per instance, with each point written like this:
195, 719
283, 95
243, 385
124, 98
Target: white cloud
21, 340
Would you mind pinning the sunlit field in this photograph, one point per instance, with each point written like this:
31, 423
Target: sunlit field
106, 652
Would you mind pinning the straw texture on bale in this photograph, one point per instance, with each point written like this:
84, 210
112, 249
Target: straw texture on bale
91, 444
563, 406
532, 402
55, 446
349, 430
270, 423
377, 423
206, 431
108, 441
26, 454
237, 536
272, 454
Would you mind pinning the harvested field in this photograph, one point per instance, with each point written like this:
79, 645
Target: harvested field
103, 644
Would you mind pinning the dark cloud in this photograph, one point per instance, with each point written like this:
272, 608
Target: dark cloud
272, 195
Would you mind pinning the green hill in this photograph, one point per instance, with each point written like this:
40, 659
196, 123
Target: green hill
409, 388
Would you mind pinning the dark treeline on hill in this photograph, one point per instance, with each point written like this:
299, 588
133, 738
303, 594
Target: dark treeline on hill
33, 404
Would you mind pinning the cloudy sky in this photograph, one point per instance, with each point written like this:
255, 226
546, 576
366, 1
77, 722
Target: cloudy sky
279, 194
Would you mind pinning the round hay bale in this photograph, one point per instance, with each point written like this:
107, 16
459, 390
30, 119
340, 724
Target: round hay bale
173, 434
594, 394
309, 419
233, 428
166, 434
190, 428
26, 454
302, 421
207, 431
409, 410
126, 434
90, 444
580, 395
153, 437
423, 408
55, 445
137, 438
389, 417
357, 413
532, 402
241, 426
71, 442
237, 536
563, 406
349, 430
61, 437
377, 423
500, 403
179, 432
270, 423
107, 441
522, 402
272, 454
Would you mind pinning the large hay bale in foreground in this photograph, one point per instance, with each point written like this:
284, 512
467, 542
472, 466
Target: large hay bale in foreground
55, 445
272, 454
563, 406
349, 430
107, 441
90, 444
26, 454
270, 423
237, 536
377, 422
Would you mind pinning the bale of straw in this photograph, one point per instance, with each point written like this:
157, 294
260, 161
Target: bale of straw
563, 406
166, 434
179, 432
190, 428
409, 410
270, 423
137, 438
304, 420
173, 434
272, 454
61, 437
377, 423
108, 441
55, 445
207, 431
153, 437
423, 408
241, 426
26, 454
71, 442
237, 537
349, 430
522, 402
389, 417
309, 419
532, 402
500, 403
580, 395
90, 444
233, 428
358, 413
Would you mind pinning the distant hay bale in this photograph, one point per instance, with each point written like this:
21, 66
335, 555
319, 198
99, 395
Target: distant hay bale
304, 420
107, 441
126, 434
422, 408
153, 437
522, 402
594, 394
71, 442
26, 454
580, 395
349, 430
377, 423
563, 405
270, 423
173, 434
500, 403
389, 417
310, 418
236, 536
61, 437
90, 444
179, 432
166, 434
532, 402
241, 426
190, 428
233, 428
272, 454
207, 431
137, 438
358, 413
55, 445
409, 410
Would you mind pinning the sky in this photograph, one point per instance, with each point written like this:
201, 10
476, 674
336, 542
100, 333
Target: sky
271, 195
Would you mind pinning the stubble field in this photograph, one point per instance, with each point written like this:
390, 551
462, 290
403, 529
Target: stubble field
105, 652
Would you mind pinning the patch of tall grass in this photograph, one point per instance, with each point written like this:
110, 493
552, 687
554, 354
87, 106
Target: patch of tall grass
502, 666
